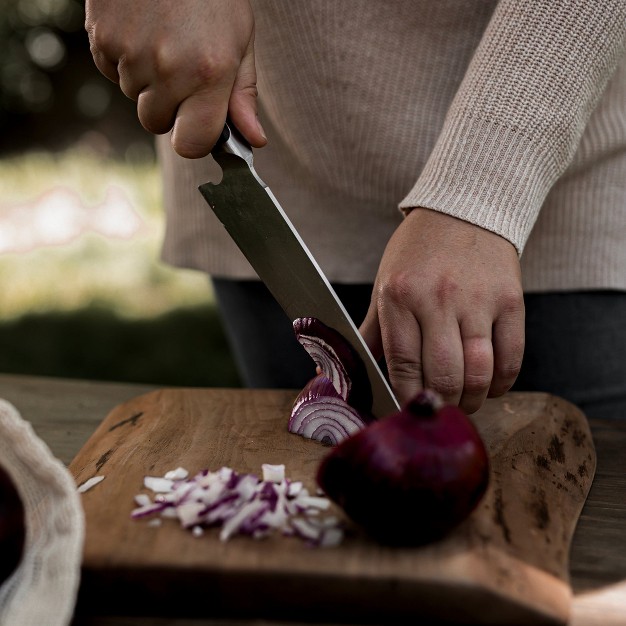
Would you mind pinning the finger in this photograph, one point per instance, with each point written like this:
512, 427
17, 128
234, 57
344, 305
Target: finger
478, 369
200, 95
402, 344
156, 109
508, 347
199, 121
242, 106
99, 44
442, 356
122, 63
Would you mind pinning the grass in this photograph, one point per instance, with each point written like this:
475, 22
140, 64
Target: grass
94, 305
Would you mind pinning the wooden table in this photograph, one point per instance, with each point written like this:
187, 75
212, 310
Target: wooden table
64, 413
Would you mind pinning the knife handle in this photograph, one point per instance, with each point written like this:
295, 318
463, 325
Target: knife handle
231, 141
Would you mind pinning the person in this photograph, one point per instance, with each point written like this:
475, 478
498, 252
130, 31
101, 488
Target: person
456, 168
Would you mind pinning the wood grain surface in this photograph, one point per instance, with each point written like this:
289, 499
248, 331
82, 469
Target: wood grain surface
508, 563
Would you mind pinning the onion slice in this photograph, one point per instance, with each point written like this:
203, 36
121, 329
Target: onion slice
320, 413
337, 360
338, 401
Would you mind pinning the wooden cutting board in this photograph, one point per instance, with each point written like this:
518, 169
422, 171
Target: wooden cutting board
506, 564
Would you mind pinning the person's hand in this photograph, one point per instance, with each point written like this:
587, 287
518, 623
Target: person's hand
447, 310
186, 63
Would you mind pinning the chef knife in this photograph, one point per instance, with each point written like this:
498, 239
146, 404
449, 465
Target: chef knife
256, 222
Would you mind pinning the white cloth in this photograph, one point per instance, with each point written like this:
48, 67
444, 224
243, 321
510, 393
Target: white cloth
42, 590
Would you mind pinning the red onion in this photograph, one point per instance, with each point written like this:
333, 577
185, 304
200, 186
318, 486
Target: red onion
412, 477
338, 361
338, 401
12, 526
320, 413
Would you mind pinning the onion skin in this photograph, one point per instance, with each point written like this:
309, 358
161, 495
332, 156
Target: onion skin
411, 478
12, 526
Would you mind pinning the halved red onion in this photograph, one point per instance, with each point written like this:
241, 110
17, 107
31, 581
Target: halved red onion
412, 477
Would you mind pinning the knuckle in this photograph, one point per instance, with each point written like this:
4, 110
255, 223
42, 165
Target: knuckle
403, 369
249, 91
125, 63
508, 372
508, 367
448, 385
478, 365
511, 300
446, 289
113, 43
476, 384
397, 288
504, 377
99, 36
210, 68
164, 59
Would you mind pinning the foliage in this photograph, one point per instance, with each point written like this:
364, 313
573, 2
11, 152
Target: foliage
34, 41
51, 93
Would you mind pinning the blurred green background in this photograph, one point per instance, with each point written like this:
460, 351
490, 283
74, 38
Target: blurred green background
82, 291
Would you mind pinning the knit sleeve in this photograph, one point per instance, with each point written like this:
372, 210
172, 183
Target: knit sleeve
517, 118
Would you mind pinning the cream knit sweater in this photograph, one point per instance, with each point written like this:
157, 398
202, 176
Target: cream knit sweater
510, 115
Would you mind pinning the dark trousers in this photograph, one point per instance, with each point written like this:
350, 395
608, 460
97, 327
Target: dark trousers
575, 342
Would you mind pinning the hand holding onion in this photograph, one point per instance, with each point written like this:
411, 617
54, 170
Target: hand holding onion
447, 310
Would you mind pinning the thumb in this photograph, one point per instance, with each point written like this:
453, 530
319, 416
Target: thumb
242, 106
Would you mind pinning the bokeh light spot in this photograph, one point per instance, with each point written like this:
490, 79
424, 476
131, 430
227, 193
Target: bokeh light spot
45, 48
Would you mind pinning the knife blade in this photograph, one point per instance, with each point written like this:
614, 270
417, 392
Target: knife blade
259, 226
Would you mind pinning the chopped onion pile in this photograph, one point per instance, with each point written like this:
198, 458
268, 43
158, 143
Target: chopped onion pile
240, 504
337, 402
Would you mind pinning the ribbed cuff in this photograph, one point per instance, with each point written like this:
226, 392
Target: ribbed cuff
485, 173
